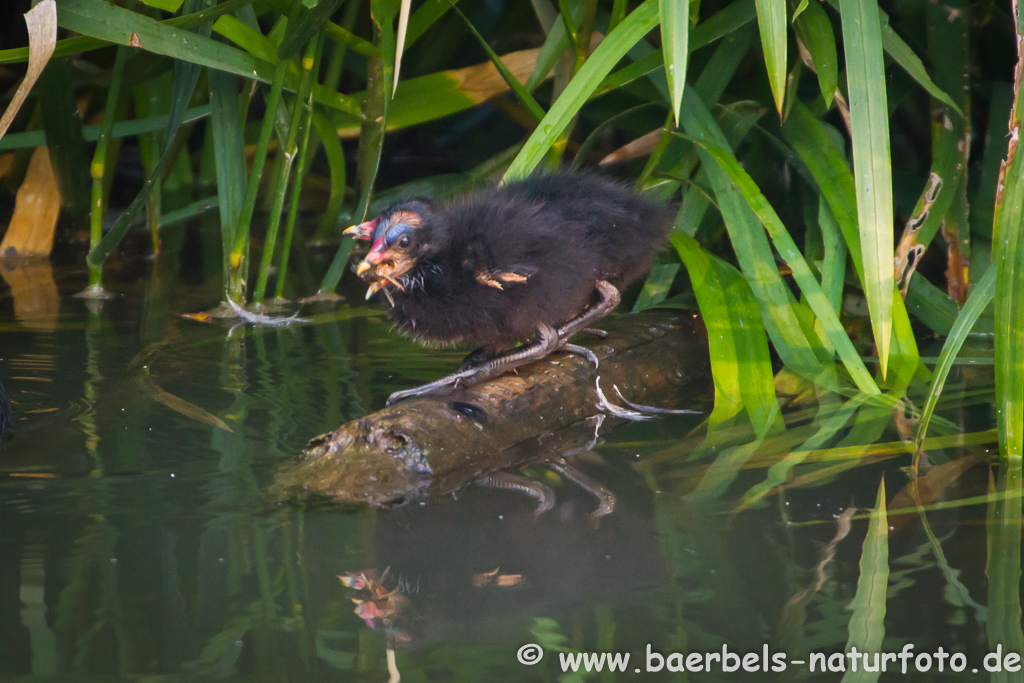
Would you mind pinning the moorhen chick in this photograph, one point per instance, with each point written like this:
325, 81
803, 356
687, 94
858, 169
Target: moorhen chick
539, 258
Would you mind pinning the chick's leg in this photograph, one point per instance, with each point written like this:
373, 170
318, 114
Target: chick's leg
477, 357
610, 298
546, 342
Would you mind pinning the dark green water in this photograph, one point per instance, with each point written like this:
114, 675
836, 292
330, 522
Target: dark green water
136, 543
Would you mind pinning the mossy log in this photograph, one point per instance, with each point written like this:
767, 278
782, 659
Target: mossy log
434, 445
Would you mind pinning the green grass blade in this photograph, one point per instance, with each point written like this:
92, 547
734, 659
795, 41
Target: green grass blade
186, 76
807, 137
754, 253
949, 47
424, 17
166, 5
555, 44
943, 183
1004, 564
631, 72
726, 59
229, 154
247, 38
238, 259
829, 422
189, 211
632, 29
867, 625
869, 114
771, 18
106, 246
66, 146
103, 161
826, 165
903, 55
287, 154
1008, 256
723, 22
308, 25
117, 25
908, 60
790, 252
656, 286
108, 22
79, 44
675, 38
296, 194
980, 297
740, 363
371, 135
815, 31
336, 162
518, 88
833, 266
983, 201
337, 34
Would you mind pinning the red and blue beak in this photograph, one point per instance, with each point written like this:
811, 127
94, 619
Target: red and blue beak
363, 231
375, 256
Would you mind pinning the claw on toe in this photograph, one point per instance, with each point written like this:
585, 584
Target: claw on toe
582, 351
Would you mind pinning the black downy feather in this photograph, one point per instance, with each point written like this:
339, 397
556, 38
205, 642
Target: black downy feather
493, 265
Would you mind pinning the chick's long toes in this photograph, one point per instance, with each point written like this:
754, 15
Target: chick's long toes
582, 351
424, 390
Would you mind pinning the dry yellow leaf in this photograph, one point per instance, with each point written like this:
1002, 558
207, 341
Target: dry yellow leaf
36, 209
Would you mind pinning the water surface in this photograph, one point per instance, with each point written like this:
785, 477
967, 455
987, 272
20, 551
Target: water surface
137, 540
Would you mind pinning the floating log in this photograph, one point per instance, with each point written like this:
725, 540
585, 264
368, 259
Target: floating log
433, 445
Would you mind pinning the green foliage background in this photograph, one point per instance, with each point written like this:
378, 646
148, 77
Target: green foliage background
798, 140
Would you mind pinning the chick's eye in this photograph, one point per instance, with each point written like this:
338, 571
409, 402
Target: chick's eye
404, 242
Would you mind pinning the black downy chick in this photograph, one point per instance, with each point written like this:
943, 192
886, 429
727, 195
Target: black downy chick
540, 258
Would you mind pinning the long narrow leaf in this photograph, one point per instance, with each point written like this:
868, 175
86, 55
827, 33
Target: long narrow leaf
771, 18
908, 60
826, 165
815, 31
122, 129
79, 44
754, 253
980, 297
518, 88
108, 22
1008, 256
789, 251
869, 114
867, 625
741, 364
228, 152
829, 422
1004, 563
675, 38
310, 23
635, 26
